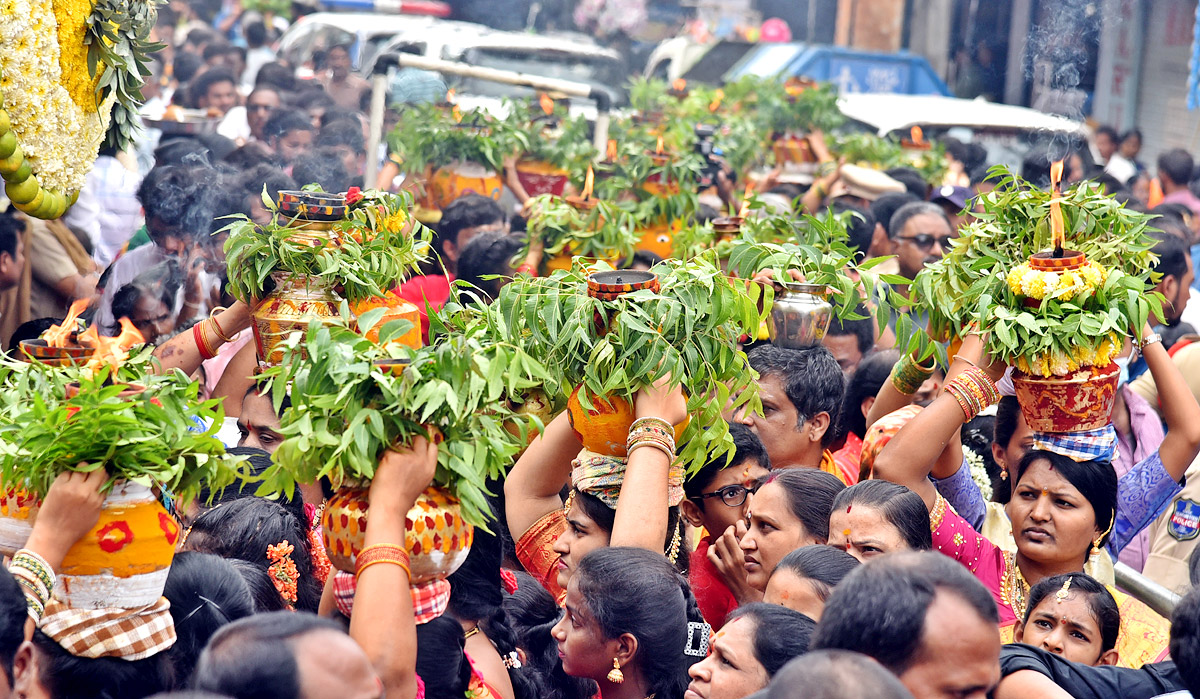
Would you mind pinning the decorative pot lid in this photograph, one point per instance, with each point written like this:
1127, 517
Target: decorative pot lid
609, 285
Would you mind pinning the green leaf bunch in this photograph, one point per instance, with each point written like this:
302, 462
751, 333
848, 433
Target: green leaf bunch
870, 150
370, 250
688, 332
165, 436
605, 232
346, 410
429, 137
118, 51
558, 138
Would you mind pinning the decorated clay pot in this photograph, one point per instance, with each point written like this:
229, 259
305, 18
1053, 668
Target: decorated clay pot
605, 428
540, 177
800, 315
18, 512
1078, 402
295, 302
607, 286
791, 148
38, 351
452, 181
659, 238
129, 391
397, 309
312, 206
124, 560
437, 539
727, 228
1047, 262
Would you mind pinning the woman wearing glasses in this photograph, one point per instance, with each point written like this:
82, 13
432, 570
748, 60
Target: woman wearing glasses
715, 501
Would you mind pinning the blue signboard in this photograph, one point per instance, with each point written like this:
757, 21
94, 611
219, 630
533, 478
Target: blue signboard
850, 70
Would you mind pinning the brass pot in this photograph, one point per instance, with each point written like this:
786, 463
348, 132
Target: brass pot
295, 302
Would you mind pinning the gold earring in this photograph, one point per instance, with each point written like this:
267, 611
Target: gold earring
615, 675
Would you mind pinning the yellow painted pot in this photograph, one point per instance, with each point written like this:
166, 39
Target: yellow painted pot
18, 512
659, 238
605, 428
437, 539
295, 302
124, 560
397, 309
463, 177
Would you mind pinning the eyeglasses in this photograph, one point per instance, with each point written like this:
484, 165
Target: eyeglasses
732, 495
925, 241
259, 108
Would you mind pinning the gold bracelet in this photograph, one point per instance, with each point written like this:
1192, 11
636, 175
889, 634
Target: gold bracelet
394, 561
217, 328
968, 361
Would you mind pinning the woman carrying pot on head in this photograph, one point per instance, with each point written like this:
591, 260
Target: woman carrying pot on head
790, 509
1061, 509
631, 624
611, 502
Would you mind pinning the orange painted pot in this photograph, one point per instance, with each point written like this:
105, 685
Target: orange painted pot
463, 177
540, 177
18, 512
397, 309
295, 302
124, 560
1078, 402
437, 539
793, 149
605, 428
659, 238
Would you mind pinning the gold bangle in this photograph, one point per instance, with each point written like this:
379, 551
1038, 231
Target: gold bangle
394, 561
217, 328
968, 361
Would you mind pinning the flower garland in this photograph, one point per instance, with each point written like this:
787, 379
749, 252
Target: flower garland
1075, 284
283, 571
1058, 363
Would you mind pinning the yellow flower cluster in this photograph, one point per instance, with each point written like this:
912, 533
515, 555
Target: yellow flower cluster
58, 138
72, 17
1061, 364
1074, 283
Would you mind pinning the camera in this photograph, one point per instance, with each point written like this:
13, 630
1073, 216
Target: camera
712, 156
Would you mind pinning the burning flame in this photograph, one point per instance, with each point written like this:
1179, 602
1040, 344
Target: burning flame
1057, 229
450, 96
456, 113
917, 135
60, 335
611, 153
546, 103
716, 103
745, 210
111, 351
679, 85
658, 149
588, 182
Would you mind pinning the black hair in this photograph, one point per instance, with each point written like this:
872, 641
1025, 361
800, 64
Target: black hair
254, 658
324, 167
1008, 418
339, 47
341, 132
976, 436
273, 179
812, 380
811, 495
257, 462
887, 205
468, 211
605, 517
780, 634
441, 662
912, 180
863, 329
910, 211
31, 330
276, 76
255, 33
200, 35
880, 609
746, 447
1185, 640
179, 200
206, 593
954, 148
1108, 184
1177, 165
1109, 131
1035, 166
635, 591
901, 507
245, 528
477, 595
262, 591
216, 48
313, 96
1132, 133
981, 175
336, 113
534, 613
13, 613
860, 227
640, 257
283, 121
66, 675
1096, 481
199, 87
872, 372
484, 255
1172, 254
835, 674
185, 65
251, 155
1172, 210
11, 229
825, 566
1100, 601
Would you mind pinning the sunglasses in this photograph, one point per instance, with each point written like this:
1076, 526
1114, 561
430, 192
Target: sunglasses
732, 495
259, 108
925, 241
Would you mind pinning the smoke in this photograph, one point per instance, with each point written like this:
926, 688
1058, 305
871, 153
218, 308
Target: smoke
1057, 58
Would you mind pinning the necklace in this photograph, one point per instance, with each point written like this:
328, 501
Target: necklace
1015, 589
474, 630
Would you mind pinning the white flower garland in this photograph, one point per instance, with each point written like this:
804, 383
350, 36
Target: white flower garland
979, 473
58, 138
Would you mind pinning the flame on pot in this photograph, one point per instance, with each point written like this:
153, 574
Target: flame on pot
679, 85
110, 351
588, 182
60, 335
658, 149
716, 103
456, 113
917, 136
450, 96
745, 210
1057, 228
611, 153
546, 103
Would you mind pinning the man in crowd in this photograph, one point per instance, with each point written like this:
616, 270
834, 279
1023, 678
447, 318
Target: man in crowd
290, 134
1174, 173
920, 234
343, 87
215, 91
850, 340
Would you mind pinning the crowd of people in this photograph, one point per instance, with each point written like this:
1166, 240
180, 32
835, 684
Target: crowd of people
864, 540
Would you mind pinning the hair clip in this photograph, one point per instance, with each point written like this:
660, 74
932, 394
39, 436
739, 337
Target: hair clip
283, 571
697, 643
511, 661
1061, 595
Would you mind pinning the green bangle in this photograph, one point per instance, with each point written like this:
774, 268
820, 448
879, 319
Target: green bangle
907, 375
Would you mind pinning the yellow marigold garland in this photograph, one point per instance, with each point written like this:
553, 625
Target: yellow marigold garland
1061, 364
1065, 286
72, 18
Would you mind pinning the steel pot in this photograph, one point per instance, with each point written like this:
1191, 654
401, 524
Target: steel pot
800, 315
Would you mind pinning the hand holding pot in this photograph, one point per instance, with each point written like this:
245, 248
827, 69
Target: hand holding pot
662, 401
71, 508
403, 474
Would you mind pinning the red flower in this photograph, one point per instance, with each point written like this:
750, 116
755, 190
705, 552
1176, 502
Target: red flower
157, 402
114, 536
71, 410
353, 196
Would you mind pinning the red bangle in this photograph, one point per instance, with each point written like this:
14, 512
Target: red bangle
197, 334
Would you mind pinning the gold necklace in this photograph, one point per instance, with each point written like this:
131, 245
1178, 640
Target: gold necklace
1016, 587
